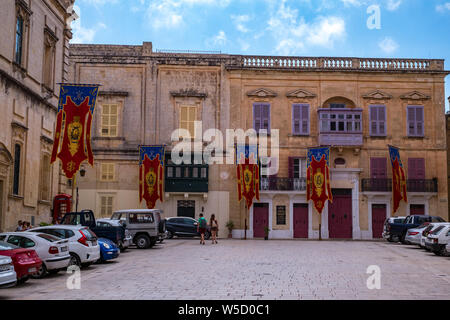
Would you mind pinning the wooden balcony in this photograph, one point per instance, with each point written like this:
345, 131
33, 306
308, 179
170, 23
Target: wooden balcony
412, 185
340, 127
186, 178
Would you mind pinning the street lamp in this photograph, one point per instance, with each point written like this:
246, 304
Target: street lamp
82, 174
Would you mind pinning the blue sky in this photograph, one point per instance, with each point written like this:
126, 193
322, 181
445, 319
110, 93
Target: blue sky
407, 28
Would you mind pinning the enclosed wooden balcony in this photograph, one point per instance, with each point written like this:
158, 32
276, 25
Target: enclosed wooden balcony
186, 178
340, 127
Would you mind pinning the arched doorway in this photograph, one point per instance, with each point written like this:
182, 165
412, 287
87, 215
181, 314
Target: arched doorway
5, 162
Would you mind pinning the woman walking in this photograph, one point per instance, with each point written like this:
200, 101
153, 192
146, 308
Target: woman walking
214, 228
201, 228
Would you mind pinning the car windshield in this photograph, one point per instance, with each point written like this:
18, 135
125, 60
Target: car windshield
437, 230
116, 216
48, 237
7, 246
71, 219
423, 225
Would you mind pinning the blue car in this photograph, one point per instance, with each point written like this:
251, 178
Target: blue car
108, 249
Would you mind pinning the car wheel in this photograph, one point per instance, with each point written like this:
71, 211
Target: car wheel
74, 260
42, 272
55, 271
85, 265
23, 280
142, 241
390, 239
207, 235
169, 235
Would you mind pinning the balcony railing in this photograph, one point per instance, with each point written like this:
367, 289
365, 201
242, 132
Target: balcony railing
283, 184
186, 178
412, 185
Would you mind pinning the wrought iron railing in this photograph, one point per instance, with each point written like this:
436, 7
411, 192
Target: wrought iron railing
412, 185
283, 184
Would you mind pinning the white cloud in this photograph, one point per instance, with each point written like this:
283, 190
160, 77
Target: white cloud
443, 7
293, 34
355, 3
393, 5
171, 13
219, 40
388, 45
82, 34
239, 22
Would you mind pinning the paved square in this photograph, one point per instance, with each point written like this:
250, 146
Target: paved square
254, 269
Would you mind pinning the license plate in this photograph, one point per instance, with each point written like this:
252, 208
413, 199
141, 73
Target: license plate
4, 268
32, 270
63, 249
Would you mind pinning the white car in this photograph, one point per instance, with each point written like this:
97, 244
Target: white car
83, 247
8, 276
438, 239
414, 235
53, 251
432, 226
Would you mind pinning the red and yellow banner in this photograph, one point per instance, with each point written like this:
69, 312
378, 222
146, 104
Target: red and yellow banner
151, 174
318, 178
398, 179
247, 172
72, 144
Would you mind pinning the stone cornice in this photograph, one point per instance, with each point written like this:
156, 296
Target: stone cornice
377, 95
300, 93
415, 95
262, 93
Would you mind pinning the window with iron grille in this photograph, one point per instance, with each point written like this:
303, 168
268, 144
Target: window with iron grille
281, 215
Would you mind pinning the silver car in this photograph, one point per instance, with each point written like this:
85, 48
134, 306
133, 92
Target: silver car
8, 276
414, 235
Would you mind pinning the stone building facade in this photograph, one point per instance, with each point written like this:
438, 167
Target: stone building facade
356, 106
35, 37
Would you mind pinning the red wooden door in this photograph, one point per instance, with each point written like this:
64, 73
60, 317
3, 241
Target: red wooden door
300, 220
340, 215
260, 219
417, 209
378, 218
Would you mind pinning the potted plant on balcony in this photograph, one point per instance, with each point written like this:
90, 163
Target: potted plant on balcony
230, 227
266, 233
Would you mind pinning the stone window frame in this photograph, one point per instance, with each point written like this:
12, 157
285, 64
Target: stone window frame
50, 41
188, 101
22, 11
278, 217
110, 171
109, 99
46, 151
19, 137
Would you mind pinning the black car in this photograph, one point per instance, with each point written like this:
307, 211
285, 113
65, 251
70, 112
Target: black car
183, 227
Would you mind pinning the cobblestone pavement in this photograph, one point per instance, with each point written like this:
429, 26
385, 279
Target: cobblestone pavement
254, 269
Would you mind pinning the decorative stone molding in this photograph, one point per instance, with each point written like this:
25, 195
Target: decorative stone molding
113, 93
300, 93
415, 95
188, 93
262, 93
377, 95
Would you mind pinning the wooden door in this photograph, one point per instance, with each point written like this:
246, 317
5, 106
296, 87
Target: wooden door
301, 220
378, 219
340, 215
260, 219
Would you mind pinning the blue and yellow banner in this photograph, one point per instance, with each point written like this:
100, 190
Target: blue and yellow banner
318, 177
247, 172
72, 143
151, 174
398, 179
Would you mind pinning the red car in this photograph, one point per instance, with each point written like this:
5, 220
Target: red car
26, 261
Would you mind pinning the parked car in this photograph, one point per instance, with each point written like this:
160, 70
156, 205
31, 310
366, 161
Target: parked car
386, 235
183, 227
26, 261
413, 235
447, 248
146, 226
425, 233
83, 247
86, 218
438, 238
108, 249
397, 231
8, 277
107, 222
53, 251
